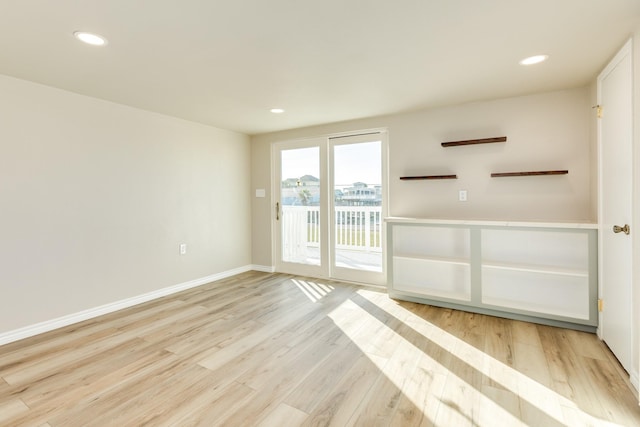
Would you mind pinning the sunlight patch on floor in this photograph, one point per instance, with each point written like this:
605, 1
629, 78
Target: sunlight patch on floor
514, 392
313, 290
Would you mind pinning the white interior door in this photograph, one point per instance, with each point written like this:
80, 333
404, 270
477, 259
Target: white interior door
615, 205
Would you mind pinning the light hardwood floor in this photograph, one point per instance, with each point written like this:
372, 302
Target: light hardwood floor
278, 350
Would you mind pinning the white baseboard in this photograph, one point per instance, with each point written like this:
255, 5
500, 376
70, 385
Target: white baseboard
49, 325
264, 268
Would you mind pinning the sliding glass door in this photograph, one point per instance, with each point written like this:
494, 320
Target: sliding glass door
299, 197
356, 207
330, 199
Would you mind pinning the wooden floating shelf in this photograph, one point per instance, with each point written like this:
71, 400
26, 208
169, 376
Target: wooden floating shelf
474, 141
413, 178
534, 173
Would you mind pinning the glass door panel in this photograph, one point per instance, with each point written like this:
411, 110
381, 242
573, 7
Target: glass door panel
299, 210
357, 205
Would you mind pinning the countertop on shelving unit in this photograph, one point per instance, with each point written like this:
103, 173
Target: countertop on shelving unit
493, 223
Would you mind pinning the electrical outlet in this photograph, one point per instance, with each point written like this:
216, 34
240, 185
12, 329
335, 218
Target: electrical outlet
462, 195
183, 249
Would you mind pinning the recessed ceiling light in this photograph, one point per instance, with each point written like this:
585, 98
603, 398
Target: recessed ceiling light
277, 110
89, 38
536, 59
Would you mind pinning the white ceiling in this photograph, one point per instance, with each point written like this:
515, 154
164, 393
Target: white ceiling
226, 63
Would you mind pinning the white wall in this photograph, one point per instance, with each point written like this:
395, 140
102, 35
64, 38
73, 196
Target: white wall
545, 131
95, 198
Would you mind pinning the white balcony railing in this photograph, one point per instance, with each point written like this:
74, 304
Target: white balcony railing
357, 228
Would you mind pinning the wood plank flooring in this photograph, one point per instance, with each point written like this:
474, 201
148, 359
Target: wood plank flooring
263, 349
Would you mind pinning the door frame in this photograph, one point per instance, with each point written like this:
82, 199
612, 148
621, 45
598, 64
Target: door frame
627, 49
325, 271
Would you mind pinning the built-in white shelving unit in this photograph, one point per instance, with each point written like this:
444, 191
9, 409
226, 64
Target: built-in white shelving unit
544, 272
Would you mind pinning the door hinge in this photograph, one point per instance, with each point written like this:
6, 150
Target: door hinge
599, 110
600, 305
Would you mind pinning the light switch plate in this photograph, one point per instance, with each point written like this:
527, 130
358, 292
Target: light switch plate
462, 195
260, 192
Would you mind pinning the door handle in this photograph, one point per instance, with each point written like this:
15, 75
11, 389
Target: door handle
618, 229
278, 211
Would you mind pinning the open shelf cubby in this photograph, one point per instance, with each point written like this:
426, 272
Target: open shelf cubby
414, 178
531, 173
474, 141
